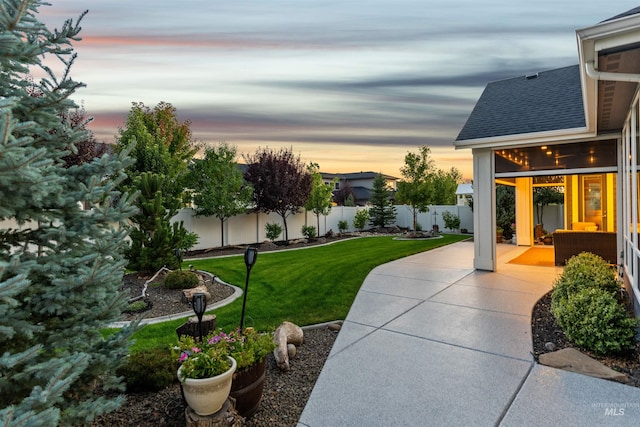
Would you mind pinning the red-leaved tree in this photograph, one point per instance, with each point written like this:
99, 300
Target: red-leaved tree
280, 181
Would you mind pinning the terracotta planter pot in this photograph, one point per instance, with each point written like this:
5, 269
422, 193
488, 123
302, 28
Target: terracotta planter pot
247, 387
207, 395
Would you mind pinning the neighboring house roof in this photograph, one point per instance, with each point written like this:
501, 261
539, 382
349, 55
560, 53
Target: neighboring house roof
634, 11
546, 101
464, 189
356, 175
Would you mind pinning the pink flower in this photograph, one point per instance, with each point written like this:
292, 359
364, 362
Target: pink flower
184, 356
196, 350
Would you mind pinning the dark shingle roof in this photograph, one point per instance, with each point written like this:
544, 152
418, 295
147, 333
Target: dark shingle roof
356, 175
547, 101
634, 11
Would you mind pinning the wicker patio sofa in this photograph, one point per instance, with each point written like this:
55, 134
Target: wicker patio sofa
568, 243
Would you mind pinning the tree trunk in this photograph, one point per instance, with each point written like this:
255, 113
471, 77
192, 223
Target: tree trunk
286, 230
222, 232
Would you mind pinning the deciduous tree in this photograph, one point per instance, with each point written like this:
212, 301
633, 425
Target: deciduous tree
445, 184
280, 182
161, 145
321, 195
219, 189
416, 189
544, 196
61, 267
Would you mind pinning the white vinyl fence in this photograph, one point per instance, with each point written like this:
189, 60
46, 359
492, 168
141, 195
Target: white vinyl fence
250, 228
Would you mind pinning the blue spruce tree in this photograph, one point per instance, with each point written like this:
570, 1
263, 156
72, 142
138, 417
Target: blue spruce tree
60, 265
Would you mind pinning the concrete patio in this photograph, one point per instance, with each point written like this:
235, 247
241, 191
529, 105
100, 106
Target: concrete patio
429, 341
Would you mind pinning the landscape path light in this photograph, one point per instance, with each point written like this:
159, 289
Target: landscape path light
178, 253
250, 257
199, 305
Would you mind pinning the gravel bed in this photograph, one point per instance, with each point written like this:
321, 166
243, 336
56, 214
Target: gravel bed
284, 397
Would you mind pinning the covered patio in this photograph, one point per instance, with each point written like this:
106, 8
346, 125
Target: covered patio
579, 123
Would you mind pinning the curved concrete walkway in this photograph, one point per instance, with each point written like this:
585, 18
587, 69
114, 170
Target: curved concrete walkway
429, 341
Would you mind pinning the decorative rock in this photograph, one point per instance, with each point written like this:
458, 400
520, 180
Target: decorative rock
334, 326
549, 346
573, 360
286, 333
291, 351
187, 294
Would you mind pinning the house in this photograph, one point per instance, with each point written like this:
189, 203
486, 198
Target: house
577, 127
464, 194
359, 184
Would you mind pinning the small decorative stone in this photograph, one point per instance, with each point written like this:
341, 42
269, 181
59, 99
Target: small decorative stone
334, 326
291, 350
549, 346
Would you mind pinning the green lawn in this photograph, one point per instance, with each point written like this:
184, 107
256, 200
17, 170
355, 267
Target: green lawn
304, 286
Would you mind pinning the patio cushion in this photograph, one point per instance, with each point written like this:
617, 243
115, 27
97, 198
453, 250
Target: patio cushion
584, 225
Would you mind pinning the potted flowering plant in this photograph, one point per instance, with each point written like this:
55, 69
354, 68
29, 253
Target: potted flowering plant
251, 347
206, 372
203, 363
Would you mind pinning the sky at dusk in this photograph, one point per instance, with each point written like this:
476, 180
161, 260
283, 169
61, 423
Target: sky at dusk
350, 85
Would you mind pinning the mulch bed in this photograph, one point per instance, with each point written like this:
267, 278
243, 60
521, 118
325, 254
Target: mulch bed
162, 301
545, 329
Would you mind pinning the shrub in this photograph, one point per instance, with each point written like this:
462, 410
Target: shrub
136, 306
329, 233
148, 370
582, 271
273, 230
309, 231
418, 226
361, 218
181, 279
343, 225
593, 319
451, 221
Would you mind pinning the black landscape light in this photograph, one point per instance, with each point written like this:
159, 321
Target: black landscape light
250, 256
178, 253
199, 305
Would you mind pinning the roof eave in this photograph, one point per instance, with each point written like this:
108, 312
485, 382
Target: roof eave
591, 40
534, 138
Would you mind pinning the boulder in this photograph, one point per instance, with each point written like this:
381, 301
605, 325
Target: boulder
286, 333
187, 294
